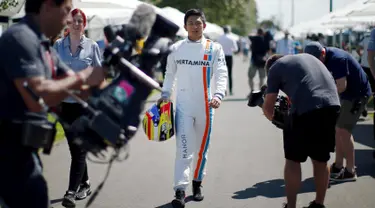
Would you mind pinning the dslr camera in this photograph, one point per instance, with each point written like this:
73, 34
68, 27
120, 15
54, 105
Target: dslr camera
281, 110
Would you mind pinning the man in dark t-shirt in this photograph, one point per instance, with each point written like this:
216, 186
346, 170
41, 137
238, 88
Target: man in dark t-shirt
28, 57
259, 49
354, 89
310, 131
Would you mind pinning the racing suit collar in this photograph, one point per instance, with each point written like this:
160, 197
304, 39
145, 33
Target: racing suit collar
198, 41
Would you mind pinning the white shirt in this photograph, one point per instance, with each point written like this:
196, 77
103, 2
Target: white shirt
228, 43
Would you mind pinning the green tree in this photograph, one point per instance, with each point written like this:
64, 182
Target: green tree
241, 15
270, 23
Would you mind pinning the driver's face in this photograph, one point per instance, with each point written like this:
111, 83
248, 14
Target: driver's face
195, 26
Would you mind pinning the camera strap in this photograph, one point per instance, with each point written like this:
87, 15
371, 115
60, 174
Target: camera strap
49, 59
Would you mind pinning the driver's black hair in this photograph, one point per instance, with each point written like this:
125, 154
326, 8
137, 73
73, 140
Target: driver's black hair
194, 12
33, 6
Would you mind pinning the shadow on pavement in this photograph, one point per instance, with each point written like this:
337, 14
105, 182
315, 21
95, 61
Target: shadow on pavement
272, 189
169, 205
55, 201
364, 160
365, 163
364, 134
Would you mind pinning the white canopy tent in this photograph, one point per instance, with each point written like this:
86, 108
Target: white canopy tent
212, 30
331, 22
177, 17
367, 9
314, 26
172, 15
99, 14
348, 15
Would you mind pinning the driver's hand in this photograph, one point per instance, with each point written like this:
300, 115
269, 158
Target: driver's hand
215, 102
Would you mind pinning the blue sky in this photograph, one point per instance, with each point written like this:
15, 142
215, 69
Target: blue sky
305, 10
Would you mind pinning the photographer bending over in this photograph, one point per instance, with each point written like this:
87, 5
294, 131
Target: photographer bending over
354, 89
310, 128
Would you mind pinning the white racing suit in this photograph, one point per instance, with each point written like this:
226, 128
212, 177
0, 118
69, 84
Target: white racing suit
194, 64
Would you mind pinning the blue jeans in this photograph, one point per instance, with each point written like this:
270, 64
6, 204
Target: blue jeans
21, 181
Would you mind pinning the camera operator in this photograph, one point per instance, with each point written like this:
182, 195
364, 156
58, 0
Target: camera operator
310, 128
27, 56
354, 89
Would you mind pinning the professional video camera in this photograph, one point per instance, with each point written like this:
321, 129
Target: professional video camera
282, 106
113, 112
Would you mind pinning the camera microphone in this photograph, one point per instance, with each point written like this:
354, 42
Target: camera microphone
142, 20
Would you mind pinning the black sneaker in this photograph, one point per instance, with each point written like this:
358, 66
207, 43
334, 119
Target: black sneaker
83, 191
179, 201
345, 176
313, 204
68, 200
364, 113
197, 192
334, 171
285, 205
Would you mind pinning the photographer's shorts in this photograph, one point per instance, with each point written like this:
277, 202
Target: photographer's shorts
311, 134
253, 70
347, 119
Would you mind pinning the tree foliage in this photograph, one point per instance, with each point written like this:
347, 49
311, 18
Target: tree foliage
270, 23
241, 15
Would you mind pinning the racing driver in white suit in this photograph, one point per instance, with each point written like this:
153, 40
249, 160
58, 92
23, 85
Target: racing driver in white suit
193, 62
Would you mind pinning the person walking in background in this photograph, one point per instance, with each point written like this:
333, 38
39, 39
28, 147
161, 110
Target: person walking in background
268, 37
78, 52
362, 51
285, 46
259, 48
297, 46
229, 45
245, 47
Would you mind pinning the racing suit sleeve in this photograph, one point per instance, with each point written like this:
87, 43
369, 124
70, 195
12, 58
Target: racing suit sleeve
170, 76
220, 73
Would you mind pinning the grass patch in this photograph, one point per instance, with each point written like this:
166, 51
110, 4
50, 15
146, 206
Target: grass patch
371, 115
60, 135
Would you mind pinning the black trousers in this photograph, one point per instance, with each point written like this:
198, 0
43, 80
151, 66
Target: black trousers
229, 61
78, 168
21, 180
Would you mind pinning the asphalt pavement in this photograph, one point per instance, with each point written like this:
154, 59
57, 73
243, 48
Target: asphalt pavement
245, 165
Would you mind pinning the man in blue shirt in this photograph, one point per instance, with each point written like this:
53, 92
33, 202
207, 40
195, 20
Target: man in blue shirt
354, 89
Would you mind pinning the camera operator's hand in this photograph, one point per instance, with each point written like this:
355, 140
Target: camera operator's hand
162, 99
85, 92
93, 76
215, 102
